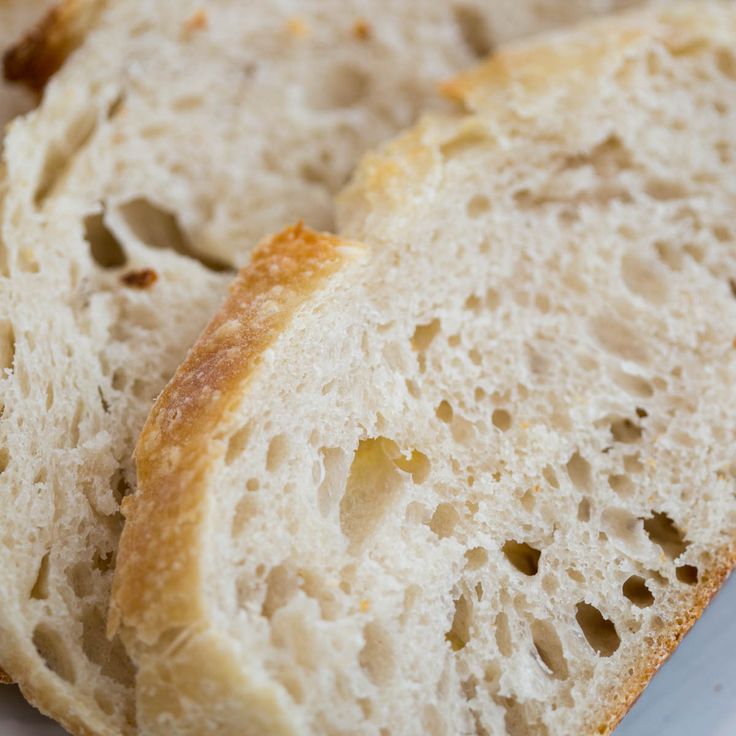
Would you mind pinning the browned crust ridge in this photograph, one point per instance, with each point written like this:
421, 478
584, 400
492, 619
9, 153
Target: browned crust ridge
157, 579
39, 54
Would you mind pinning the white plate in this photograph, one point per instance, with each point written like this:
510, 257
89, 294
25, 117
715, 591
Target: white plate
693, 694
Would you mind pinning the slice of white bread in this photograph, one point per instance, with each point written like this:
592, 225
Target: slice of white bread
16, 16
175, 134
476, 476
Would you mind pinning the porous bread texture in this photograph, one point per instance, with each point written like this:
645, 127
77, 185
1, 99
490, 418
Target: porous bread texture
174, 136
480, 481
16, 16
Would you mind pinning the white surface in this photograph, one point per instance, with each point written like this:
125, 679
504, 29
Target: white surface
694, 693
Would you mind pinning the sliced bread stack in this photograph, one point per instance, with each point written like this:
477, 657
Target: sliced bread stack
468, 468
173, 136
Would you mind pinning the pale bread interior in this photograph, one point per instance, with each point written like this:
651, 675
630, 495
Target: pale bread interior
170, 141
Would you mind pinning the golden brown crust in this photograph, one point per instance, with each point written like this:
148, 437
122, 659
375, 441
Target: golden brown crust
621, 700
43, 50
4, 678
157, 581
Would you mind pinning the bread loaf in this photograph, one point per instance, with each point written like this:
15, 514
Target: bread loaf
174, 135
475, 475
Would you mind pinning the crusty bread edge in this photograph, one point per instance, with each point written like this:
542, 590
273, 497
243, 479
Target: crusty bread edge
42, 51
711, 580
157, 579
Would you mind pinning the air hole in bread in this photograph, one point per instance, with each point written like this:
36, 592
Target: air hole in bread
549, 475
549, 648
726, 63
669, 254
687, 574
642, 278
476, 558
473, 303
463, 141
501, 419
109, 656
377, 656
634, 385
502, 633
599, 631
516, 721
104, 247
335, 467
584, 509
444, 520
619, 339
722, 233
444, 412
696, 252
50, 647
636, 590
663, 532
424, 334
575, 575
522, 556
61, 153
625, 430
237, 442
252, 485
245, 510
158, 228
724, 153
314, 173
663, 190
417, 465
459, 634
278, 452
373, 485
492, 299
40, 590
579, 472
621, 484
478, 206
342, 86
462, 430
187, 102
473, 30
282, 584
632, 463
622, 526
4, 459
7, 346
80, 579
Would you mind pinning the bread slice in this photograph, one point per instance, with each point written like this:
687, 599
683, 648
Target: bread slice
476, 475
16, 16
175, 135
